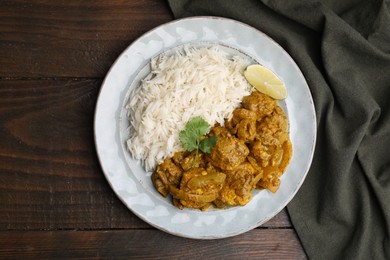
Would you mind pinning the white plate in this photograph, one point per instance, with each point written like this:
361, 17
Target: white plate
133, 185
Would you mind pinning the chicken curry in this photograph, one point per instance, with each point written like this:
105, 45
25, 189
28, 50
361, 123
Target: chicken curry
252, 152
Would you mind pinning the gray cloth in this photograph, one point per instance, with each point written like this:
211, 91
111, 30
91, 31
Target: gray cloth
342, 211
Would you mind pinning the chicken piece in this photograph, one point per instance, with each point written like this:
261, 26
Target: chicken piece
274, 160
198, 188
192, 160
243, 124
166, 174
238, 115
238, 185
243, 113
273, 129
259, 103
211, 169
276, 167
260, 153
228, 153
270, 179
178, 156
270, 155
246, 130
219, 131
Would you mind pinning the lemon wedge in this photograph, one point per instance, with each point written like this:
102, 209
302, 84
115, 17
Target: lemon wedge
265, 81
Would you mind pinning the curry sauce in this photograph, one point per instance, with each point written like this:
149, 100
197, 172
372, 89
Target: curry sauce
252, 152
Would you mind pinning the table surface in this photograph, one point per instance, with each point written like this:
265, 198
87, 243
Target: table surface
54, 199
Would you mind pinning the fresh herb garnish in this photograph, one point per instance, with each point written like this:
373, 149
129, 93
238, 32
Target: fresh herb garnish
191, 136
206, 144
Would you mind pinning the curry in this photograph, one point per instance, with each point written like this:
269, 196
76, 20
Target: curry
252, 152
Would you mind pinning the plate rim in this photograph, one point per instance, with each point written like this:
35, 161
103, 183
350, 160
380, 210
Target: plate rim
313, 126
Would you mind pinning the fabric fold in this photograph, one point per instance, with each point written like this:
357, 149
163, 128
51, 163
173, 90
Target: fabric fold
342, 210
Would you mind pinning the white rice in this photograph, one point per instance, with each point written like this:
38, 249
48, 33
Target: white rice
191, 82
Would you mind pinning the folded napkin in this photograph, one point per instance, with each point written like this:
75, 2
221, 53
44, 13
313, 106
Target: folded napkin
342, 211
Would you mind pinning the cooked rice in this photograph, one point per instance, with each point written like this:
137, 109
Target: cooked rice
191, 82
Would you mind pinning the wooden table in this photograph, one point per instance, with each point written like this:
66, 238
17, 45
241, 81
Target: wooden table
54, 199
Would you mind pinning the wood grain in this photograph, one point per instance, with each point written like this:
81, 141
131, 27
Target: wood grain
50, 176
71, 38
113, 244
54, 199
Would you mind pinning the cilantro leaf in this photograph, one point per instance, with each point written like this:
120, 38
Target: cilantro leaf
193, 131
187, 140
207, 144
198, 127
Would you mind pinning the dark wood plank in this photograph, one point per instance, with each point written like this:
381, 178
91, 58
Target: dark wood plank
53, 56
58, 38
50, 176
148, 244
